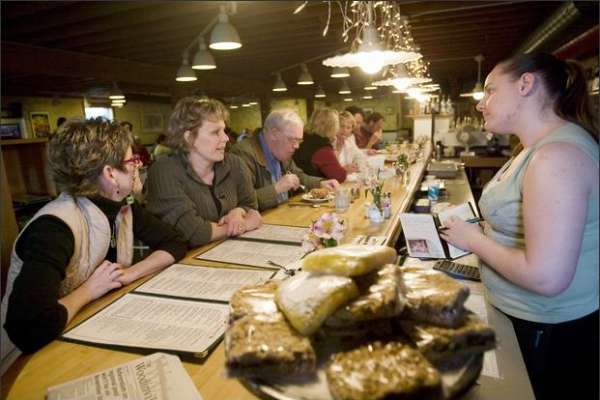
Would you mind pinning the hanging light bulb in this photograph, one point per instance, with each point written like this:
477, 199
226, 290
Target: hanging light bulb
203, 60
185, 73
320, 93
224, 36
305, 77
279, 84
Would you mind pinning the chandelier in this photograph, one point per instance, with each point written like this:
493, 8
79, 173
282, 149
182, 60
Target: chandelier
377, 34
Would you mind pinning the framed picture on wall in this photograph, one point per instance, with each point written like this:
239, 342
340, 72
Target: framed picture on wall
40, 123
152, 122
11, 128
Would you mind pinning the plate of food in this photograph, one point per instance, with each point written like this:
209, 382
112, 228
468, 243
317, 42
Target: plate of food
372, 330
318, 196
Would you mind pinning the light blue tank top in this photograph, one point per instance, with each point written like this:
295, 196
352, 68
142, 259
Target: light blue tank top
501, 205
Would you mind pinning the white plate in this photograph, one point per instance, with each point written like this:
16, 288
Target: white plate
310, 199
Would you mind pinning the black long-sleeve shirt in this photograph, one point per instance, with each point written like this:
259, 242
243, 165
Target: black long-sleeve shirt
35, 317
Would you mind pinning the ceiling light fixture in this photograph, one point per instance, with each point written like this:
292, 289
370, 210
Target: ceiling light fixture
348, 99
224, 36
400, 79
367, 97
279, 83
203, 60
305, 77
320, 93
477, 92
367, 52
185, 73
115, 93
345, 89
340, 72
370, 86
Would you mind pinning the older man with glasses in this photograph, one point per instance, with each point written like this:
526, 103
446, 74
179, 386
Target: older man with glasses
268, 155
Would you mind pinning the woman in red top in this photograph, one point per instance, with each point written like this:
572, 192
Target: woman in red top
316, 155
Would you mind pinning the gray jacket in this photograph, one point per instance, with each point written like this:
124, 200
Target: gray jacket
180, 198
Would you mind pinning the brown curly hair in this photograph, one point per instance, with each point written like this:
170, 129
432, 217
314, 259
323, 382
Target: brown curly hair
189, 114
80, 149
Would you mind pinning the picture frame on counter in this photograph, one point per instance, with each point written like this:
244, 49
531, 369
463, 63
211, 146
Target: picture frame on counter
40, 123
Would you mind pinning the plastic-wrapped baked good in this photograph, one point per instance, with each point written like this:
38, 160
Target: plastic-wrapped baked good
439, 343
262, 345
253, 299
433, 297
307, 299
382, 370
380, 297
348, 259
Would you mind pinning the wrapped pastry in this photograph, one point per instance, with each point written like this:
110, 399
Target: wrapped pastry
348, 259
433, 297
307, 299
265, 345
383, 370
380, 297
440, 343
254, 299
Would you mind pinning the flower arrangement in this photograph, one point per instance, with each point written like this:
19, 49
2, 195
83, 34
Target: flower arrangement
374, 185
324, 232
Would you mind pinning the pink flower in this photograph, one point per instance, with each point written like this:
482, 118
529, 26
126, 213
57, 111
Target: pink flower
323, 232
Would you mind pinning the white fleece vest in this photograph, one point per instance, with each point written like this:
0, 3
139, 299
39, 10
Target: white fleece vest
92, 233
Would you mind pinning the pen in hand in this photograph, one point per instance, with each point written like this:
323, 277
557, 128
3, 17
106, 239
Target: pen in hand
470, 221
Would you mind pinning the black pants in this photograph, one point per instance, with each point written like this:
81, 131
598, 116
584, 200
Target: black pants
561, 359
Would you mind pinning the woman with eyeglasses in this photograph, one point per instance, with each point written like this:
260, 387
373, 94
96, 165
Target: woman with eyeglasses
79, 246
201, 190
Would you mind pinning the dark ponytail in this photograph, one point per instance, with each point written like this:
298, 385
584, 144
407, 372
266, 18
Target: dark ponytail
565, 83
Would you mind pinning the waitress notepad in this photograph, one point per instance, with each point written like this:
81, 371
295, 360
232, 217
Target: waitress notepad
421, 232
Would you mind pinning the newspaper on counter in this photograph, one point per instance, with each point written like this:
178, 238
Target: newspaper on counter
158, 376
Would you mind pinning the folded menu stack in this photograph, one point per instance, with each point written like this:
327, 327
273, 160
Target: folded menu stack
345, 291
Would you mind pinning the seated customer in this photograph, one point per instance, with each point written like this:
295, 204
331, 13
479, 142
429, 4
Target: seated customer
370, 134
348, 153
316, 155
203, 192
80, 246
269, 158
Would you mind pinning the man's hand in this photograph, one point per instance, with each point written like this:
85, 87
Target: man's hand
286, 183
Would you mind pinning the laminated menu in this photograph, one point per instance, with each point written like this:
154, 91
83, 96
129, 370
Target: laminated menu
158, 376
268, 246
182, 310
421, 232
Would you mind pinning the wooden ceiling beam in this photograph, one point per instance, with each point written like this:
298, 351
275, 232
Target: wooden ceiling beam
18, 58
80, 16
131, 21
26, 9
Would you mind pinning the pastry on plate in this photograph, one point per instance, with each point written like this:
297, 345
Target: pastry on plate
439, 343
265, 345
380, 297
349, 259
253, 299
383, 371
433, 297
308, 299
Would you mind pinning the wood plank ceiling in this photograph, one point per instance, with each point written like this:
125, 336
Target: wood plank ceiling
77, 47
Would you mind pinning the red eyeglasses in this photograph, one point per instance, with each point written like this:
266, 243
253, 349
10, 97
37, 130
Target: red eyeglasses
135, 160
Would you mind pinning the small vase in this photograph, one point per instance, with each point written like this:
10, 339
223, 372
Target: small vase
375, 215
